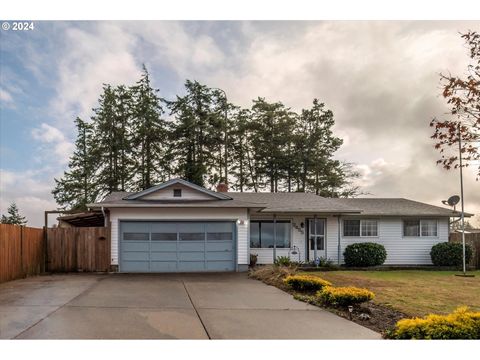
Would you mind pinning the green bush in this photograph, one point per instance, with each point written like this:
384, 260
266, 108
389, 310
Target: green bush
306, 283
283, 261
461, 324
450, 254
344, 296
364, 254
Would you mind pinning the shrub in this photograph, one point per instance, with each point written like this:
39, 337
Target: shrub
364, 254
283, 261
253, 260
306, 283
450, 254
461, 324
344, 296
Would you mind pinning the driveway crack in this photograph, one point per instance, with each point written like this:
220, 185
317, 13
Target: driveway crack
196, 311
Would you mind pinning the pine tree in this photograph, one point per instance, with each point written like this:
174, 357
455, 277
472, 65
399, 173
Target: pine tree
150, 134
198, 133
13, 216
113, 140
78, 186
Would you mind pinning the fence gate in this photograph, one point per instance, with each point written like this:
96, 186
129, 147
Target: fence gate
78, 249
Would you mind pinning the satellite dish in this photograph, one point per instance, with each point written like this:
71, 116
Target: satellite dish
453, 200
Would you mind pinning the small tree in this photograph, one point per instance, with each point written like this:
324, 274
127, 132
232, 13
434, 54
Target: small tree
13, 216
463, 97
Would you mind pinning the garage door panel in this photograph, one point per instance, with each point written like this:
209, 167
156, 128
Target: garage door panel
135, 266
163, 266
191, 246
163, 256
191, 256
163, 246
135, 256
220, 266
159, 246
191, 266
138, 246
220, 255
219, 246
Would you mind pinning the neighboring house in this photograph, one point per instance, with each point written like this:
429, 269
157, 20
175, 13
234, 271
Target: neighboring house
179, 226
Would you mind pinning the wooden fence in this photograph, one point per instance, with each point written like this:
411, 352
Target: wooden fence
22, 251
78, 249
472, 239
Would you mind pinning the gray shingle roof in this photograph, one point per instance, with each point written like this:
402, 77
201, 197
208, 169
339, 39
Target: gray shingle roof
397, 206
293, 203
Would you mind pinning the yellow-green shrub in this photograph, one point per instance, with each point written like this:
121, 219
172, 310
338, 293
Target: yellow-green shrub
306, 283
344, 296
461, 324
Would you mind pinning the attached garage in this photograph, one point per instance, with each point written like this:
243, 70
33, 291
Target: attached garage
181, 246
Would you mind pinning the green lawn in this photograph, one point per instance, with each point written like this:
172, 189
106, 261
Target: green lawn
414, 292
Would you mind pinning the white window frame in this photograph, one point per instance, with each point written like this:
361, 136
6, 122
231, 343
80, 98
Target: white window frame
420, 221
361, 226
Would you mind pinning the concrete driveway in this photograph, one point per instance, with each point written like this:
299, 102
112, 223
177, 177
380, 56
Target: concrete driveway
177, 306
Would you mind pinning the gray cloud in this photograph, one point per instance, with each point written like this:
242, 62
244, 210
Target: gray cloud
379, 78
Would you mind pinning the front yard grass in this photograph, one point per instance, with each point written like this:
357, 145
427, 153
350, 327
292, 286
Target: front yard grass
413, 292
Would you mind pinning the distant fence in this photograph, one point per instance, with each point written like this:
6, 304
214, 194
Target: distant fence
78, 249
472, 239
22, 251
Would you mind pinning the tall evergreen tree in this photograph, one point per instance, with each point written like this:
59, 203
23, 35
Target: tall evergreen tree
152, 163
198, 133
13, 216
271, 124
78, 186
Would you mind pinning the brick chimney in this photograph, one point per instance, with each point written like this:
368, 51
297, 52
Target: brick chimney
222, 187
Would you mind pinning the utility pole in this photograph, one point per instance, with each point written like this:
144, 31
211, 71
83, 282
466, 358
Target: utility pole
461, 197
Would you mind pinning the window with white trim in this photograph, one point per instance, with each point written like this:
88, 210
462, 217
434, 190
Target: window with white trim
420, 228
360, 228
261, 234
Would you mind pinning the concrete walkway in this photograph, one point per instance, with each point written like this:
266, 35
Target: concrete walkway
177, 306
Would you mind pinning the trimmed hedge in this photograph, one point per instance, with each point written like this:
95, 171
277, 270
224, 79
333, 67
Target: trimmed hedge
306, 283
450, 254
344, 296
461, 324
364, 254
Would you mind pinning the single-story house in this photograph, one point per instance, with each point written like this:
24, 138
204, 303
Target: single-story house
179, 226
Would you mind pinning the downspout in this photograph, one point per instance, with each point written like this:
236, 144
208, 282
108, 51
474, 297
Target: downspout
274, 238
339, 237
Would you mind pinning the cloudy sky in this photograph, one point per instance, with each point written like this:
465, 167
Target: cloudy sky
379, 78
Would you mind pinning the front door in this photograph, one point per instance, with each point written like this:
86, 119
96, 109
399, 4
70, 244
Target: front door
315, 236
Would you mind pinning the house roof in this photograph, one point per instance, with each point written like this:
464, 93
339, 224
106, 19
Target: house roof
397, 206
281, 202
295, 202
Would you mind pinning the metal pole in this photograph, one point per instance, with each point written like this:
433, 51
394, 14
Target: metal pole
315, 238
274, 238
461, 196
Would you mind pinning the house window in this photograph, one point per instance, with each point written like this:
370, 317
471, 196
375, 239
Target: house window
360, 228
419, 228
177, 192
261, 234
